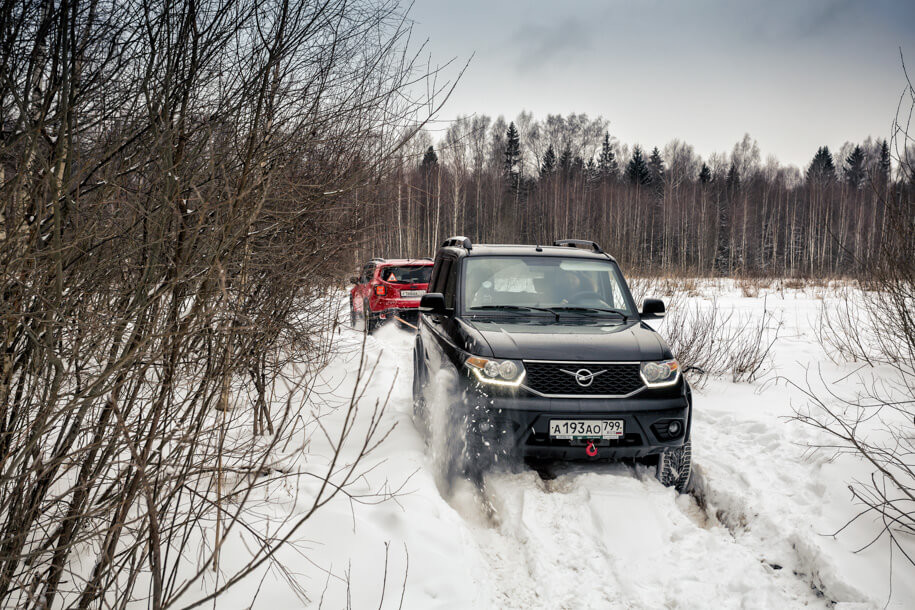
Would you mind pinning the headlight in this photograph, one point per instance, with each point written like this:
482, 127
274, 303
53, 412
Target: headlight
660, 374
496, 372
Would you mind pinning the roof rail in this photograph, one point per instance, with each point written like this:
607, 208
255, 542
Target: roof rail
427, 258
377, 260
458, 241
575, 243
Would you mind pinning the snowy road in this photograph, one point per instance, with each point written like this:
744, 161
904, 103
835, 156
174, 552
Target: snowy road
753, 532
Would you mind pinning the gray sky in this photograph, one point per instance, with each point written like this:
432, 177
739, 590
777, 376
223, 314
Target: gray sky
794, 74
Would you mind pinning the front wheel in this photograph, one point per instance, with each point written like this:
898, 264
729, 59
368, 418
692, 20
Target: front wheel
420, 417
675, 466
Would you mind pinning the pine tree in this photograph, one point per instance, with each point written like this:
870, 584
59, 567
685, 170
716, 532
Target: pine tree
637, 170
855, 170
705, 174
548, 166
607, 165
822, 170
512, 165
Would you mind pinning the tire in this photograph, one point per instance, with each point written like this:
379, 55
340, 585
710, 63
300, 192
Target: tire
675, 467
370, 323
420, 416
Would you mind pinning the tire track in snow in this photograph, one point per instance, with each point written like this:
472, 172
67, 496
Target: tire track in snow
605, 538
733, 495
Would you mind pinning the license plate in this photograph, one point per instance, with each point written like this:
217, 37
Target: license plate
412, 294
586, 428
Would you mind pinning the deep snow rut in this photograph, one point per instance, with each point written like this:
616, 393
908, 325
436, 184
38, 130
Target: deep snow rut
609, 538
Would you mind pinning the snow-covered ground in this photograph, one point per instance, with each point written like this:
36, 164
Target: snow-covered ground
755, 532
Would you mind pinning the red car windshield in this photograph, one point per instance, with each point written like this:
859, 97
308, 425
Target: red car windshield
407, 274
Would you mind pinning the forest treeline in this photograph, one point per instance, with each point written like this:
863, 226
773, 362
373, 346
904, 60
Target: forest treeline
659, 210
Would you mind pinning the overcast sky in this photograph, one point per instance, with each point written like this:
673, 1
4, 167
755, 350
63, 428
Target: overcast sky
794, 74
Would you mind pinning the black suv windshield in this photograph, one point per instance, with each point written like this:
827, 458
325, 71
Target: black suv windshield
559, 283
407, 274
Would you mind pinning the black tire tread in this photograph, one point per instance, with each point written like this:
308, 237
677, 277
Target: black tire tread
675, 467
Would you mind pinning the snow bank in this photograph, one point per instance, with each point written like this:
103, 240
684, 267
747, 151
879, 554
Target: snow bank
754, 533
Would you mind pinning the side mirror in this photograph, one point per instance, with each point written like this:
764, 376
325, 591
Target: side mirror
354, 280
433, 302
652, 309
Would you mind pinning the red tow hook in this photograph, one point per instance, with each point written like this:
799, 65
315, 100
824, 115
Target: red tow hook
591, 450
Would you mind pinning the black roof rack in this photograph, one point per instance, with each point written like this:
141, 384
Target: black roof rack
459, 241
575, 243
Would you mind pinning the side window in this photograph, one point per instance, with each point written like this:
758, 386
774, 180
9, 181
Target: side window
442, 276
451, 285
436, 271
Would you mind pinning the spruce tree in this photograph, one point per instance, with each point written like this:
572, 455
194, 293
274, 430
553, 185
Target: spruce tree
656, 165
656, 171
822, 170
883, 166
512, 165
430, 159
855, 170
565, 161
705, 174
592, 173
637, 170
733, 179
548, 165
578, 165
607, 165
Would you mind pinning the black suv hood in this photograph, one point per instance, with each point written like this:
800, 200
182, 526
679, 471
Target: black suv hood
532, 340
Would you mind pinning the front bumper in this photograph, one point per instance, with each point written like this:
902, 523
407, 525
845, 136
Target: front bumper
520, 425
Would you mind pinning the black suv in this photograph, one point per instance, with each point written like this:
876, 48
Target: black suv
552, 358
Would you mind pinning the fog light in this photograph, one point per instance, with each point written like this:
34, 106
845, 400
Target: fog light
674, 428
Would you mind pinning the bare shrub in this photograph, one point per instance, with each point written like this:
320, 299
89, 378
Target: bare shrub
872, 428
750, 287
704, 337
180, 186
876, 326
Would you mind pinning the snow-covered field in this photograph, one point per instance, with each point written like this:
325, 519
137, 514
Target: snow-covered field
755, 532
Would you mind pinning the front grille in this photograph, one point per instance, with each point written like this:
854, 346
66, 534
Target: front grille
609, 379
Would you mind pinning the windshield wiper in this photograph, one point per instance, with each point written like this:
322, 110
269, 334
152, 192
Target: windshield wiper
594, 309
518, 308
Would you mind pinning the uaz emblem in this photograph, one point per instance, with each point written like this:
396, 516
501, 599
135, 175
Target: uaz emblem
584, 377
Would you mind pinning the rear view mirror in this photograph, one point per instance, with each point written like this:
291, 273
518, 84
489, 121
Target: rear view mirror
652, 309
354, 280
432, 302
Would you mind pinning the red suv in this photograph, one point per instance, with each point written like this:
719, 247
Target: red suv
389, 289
